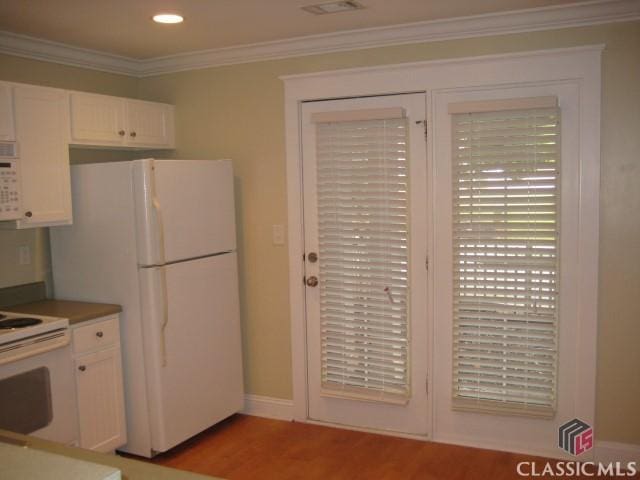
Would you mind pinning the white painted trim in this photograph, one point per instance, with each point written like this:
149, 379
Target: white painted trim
268, 407
535, 19
375, 431
282, 409
580, 64
522, 448
617, 452
47, 51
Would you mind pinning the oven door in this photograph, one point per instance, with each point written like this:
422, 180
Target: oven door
37, 396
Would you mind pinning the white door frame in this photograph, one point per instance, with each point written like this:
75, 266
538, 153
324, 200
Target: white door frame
534, 68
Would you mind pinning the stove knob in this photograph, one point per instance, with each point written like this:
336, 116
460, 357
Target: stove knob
82, 368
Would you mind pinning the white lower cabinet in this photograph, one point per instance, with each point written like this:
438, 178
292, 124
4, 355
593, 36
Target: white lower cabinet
99, 387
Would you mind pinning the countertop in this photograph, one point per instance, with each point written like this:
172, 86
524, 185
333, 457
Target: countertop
131, 469
76, 312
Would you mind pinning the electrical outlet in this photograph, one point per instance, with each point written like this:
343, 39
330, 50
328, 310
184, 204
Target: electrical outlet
25, 255
278, 234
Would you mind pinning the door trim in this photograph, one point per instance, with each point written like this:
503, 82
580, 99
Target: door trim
580, 63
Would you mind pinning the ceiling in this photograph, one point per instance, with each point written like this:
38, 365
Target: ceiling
124, 27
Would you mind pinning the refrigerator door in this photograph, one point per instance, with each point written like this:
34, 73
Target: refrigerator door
191, 325
185, 209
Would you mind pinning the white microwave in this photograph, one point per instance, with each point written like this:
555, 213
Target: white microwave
10, 196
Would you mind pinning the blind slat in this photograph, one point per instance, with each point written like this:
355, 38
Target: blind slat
362, 198
505, 177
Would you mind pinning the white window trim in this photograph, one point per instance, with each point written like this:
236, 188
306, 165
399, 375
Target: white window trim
581, 64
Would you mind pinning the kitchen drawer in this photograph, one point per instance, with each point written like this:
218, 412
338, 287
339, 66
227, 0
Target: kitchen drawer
97, 335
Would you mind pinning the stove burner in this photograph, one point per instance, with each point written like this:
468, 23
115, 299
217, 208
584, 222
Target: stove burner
21, 322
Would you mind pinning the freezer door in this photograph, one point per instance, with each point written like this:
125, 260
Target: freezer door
185, 209
192, 346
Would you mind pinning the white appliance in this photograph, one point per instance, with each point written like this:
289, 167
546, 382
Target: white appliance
37, 388
9, 182
158, 237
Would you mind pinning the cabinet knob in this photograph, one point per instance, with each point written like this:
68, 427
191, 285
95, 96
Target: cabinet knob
312, 281
99, 334
28, 214
133, 134
82, 368
121, 133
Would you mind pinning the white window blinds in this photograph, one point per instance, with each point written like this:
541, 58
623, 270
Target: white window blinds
505, 251
362, 182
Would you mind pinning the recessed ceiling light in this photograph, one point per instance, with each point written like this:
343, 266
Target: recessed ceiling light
332, 7
168, 18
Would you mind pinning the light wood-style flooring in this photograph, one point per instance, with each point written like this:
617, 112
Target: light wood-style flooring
244, 447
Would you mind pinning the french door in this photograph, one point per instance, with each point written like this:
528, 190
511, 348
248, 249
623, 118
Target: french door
365, 223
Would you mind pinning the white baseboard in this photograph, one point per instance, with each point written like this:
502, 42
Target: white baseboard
268, 407
606, 452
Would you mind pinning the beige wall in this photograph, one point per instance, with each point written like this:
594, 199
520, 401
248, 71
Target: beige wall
16, 69
237, 112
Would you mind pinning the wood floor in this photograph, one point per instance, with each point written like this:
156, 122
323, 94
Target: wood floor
245, 447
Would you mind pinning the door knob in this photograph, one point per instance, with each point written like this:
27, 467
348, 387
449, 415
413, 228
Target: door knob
312, 281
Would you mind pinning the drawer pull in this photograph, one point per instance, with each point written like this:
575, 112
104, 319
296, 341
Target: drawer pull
82, 368
99, 334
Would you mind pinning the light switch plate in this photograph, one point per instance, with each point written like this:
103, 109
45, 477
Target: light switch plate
25, 255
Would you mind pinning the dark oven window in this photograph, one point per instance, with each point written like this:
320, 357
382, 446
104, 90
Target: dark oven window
25, 401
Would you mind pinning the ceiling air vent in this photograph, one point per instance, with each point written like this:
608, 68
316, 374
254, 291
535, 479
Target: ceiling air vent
332, 7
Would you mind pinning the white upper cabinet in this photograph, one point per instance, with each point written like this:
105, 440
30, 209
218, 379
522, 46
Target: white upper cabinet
97, 119
41, 119
150, 123
101, 120
7, 130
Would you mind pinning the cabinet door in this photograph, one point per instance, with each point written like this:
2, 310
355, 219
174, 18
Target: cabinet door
41, 119
97, 119
149, 124
100, 400
7, 132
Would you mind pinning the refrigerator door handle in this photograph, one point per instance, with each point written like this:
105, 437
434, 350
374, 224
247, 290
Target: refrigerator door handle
165, 317
159, 222
149, 221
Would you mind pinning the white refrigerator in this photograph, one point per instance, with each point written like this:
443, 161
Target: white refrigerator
158, 237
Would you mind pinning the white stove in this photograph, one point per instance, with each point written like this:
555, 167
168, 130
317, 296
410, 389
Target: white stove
37, 385
23, 335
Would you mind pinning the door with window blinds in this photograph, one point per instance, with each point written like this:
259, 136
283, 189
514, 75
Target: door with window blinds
364, 164
505, 198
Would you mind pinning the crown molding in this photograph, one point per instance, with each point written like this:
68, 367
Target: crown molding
536, 19
47, 51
